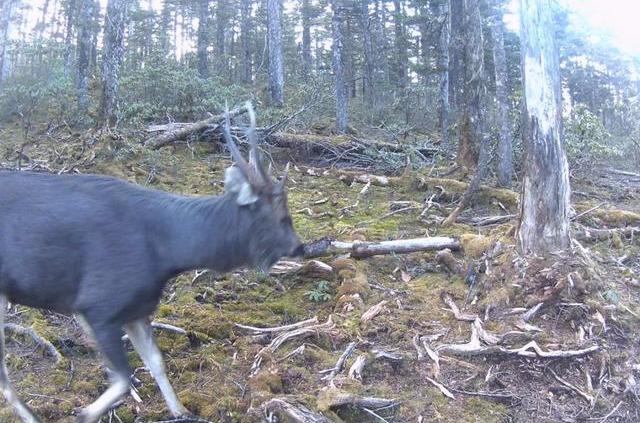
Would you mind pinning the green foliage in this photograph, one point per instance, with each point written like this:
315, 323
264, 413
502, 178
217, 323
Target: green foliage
27, 95
167, 89
320, 293
587, 140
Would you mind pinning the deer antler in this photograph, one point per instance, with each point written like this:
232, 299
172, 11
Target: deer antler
242, 164
253, 142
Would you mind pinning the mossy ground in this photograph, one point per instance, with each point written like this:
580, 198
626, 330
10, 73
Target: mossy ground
210, 368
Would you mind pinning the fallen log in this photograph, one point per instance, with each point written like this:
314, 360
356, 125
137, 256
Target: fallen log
327, 246
294, 410
181, 131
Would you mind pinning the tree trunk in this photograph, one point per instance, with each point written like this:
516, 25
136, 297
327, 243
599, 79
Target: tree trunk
276, 65
112, 58
203, 38
456, 50
342, 99
222, 65
68, 54
443, 17
306, 39
470, 118
505, 153
83, 47
165, 17
400, 46
8, 6
245, 33
95, 33
368, 65
544, 220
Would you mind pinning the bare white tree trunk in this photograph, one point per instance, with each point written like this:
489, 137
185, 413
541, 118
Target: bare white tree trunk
276, 65
245, 33
442, 12
544, 220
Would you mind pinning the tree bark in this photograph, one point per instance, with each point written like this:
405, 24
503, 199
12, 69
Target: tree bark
306, 39
443, 16
368, 65
245, 34
342, 99
8, 6
68, 54
470, 118
456, 50
400, 47
276, 65
505, 150
222, 17
95, 33
112, 58
165, 17
203, 38
83, 46
544, 221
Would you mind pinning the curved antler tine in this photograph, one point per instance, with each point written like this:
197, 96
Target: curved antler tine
255, 153
244, 167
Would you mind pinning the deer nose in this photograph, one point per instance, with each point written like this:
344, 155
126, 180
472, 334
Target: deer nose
298, 251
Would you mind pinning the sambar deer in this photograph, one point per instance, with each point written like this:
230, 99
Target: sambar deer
103, 249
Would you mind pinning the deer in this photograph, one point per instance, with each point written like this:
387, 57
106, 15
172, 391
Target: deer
103, 249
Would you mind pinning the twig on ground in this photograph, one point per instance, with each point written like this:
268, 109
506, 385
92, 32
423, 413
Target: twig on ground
442, 388
341, 361
39, 340
467, 317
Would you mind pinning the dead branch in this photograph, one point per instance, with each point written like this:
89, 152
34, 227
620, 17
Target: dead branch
590, 398
356, 369
311, 268
442, 388
39, 340
183, 131
593, 234
340, 363
467, 317
303, 323
488, 220
327, 246
333, 398
370, 314
433, 355
301, 332
294, 410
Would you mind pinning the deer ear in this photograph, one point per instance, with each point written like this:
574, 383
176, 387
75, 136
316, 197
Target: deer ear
235, 182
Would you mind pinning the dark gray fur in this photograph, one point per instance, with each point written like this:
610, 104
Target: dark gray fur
104, 248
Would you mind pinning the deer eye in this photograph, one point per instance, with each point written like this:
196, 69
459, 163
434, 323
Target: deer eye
287, 220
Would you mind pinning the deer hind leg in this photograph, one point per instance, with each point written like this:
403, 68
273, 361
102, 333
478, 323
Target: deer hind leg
7, 390
141, 336
107, 336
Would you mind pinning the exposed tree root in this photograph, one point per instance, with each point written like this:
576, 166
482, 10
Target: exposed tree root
301, 332
467, 317
357, 368
39, 340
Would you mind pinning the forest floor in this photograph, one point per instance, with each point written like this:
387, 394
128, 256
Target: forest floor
414, 359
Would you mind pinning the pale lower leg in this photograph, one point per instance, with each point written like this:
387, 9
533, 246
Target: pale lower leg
141, 336
10, 395
107, 337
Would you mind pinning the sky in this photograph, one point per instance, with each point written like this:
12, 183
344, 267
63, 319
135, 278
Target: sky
615, 20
